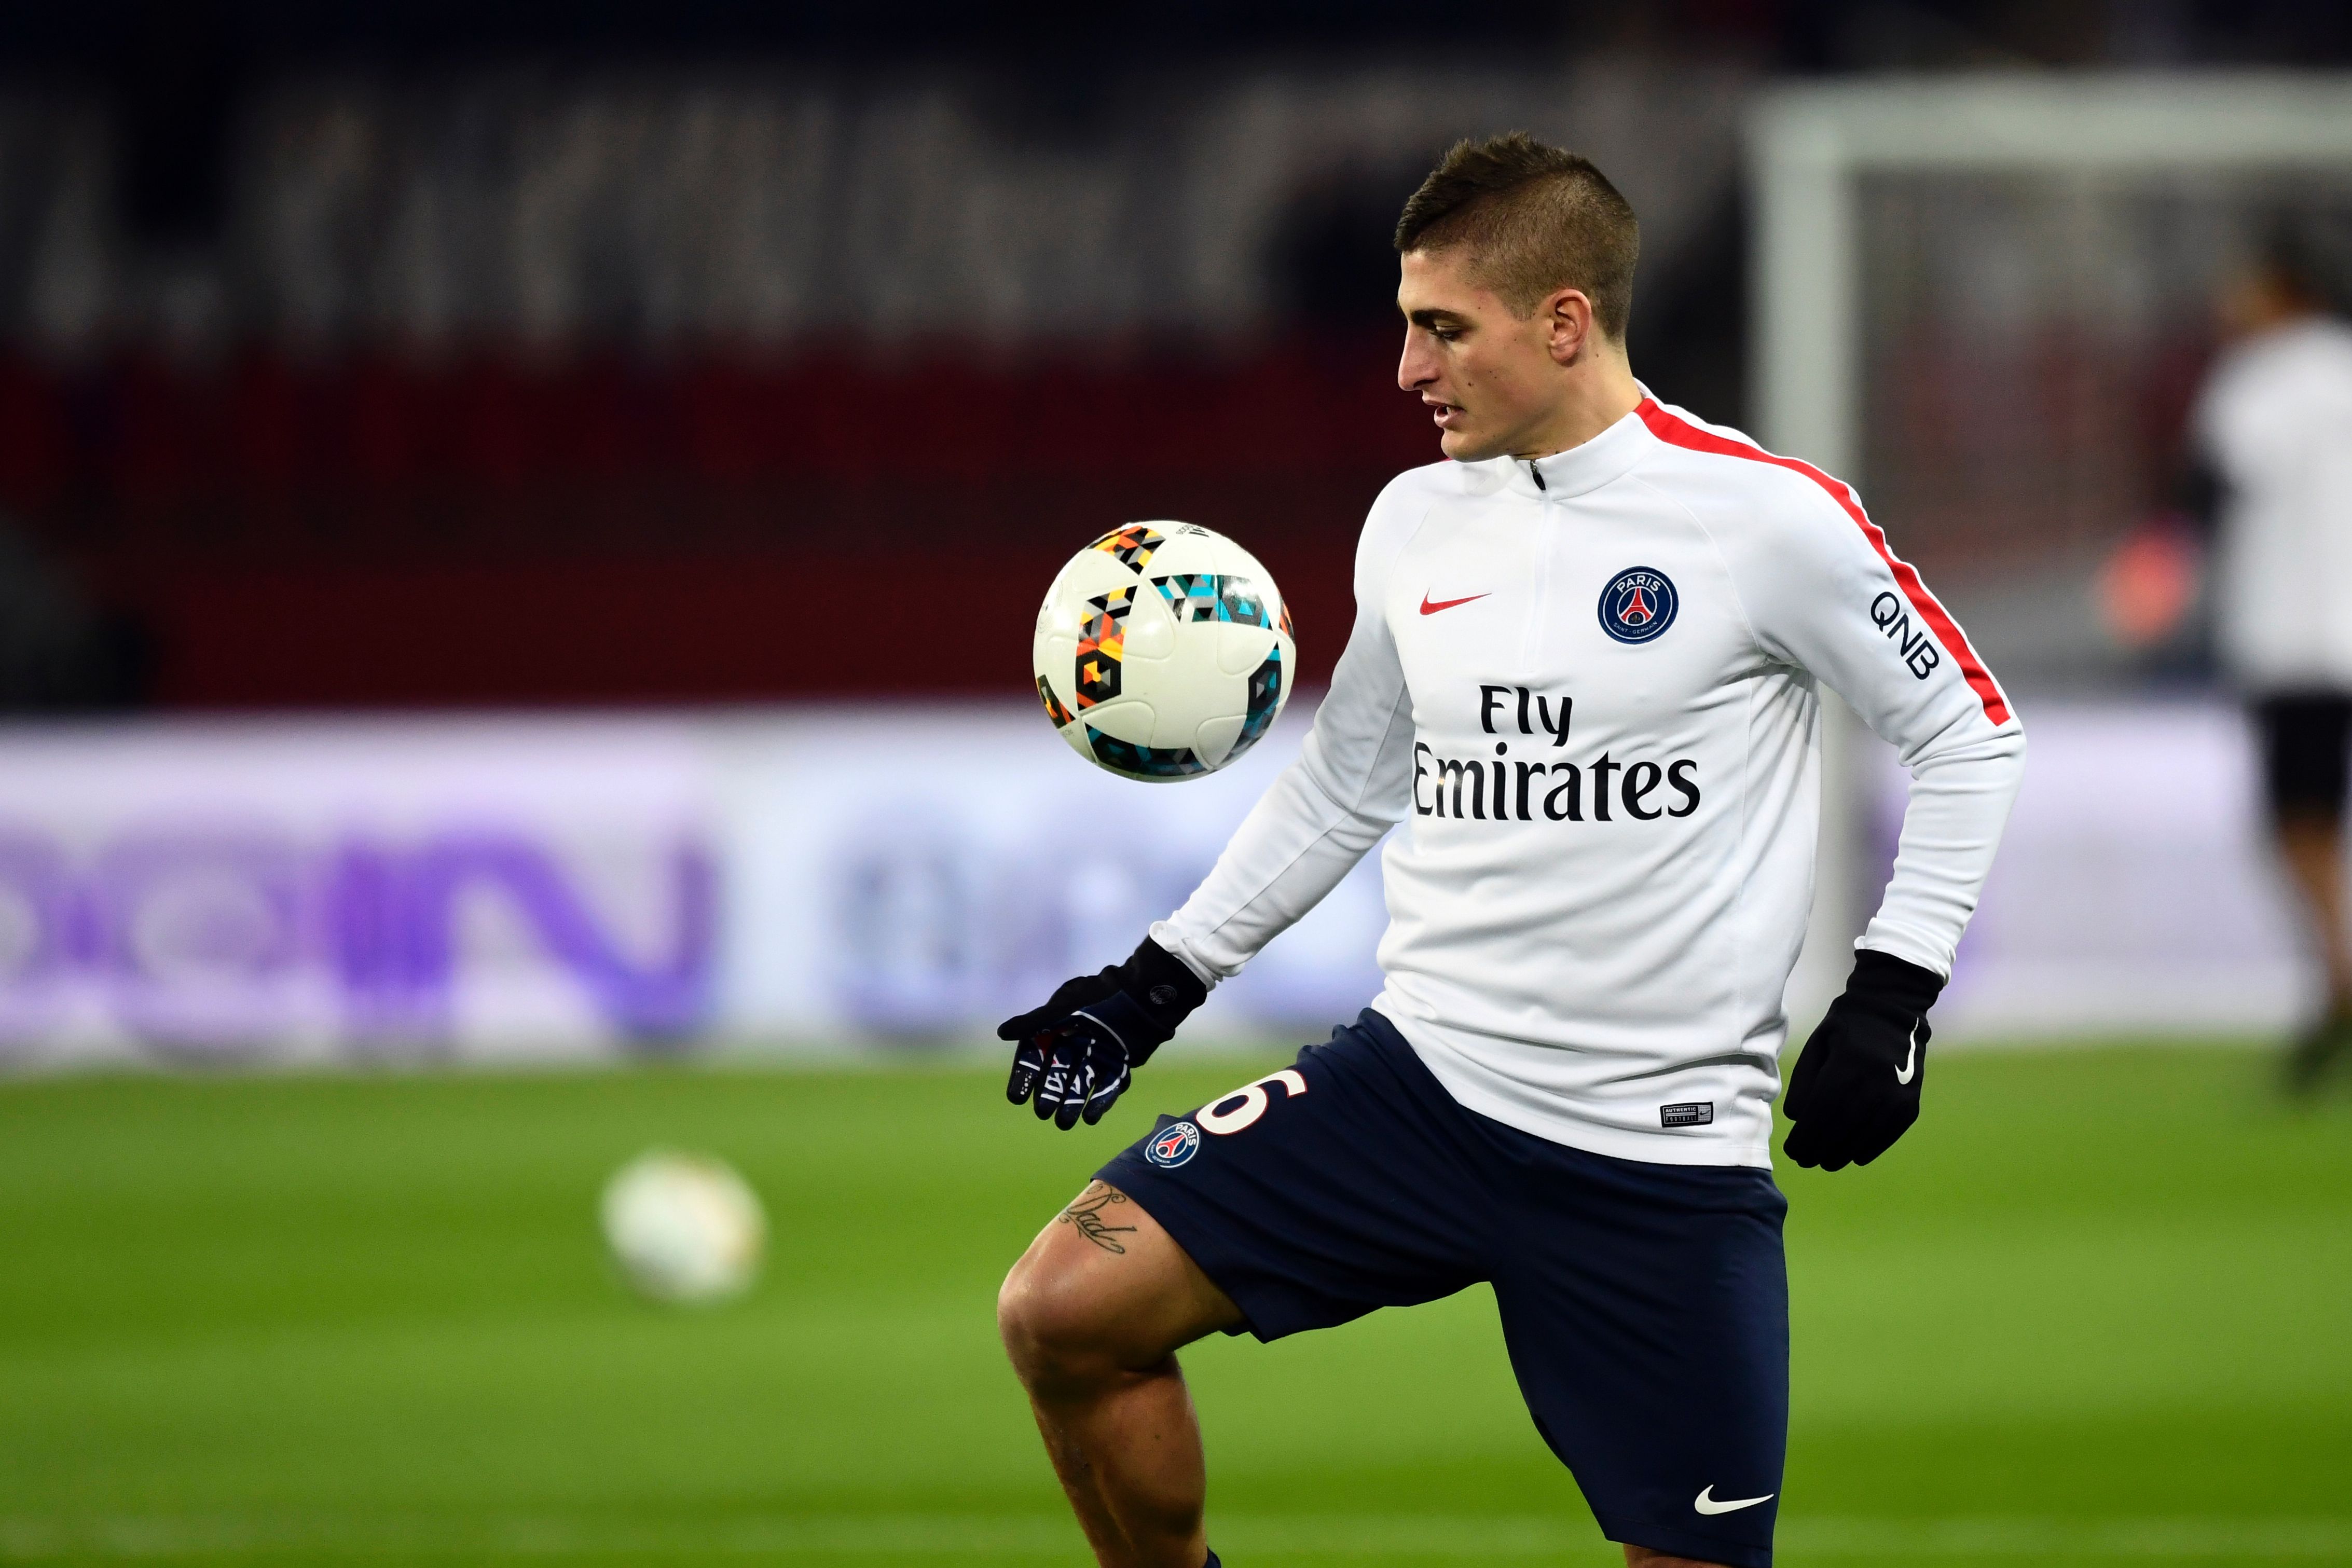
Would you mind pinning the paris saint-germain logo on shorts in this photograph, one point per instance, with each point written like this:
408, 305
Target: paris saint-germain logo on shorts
1638, 605
1173, 1145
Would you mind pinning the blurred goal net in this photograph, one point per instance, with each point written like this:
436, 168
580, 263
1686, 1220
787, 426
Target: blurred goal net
1989, 303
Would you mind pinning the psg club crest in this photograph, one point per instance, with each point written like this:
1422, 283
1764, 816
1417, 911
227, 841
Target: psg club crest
1173, 1145
1638, 605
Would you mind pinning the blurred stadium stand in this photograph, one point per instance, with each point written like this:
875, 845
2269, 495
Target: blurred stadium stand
520, 353
533, 386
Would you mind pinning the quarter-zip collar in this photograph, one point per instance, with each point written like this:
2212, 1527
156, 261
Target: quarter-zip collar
1574, 472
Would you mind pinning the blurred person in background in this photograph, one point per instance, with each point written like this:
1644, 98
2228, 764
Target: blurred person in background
2271, 440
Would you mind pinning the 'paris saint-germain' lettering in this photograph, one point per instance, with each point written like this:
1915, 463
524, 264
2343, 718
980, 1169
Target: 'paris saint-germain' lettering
1506, 789
1919, 651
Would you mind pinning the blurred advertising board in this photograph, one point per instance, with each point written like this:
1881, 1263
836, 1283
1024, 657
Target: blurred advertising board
503, 887
509, 888
2136, 893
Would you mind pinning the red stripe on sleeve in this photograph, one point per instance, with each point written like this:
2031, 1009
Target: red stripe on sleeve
1677, 432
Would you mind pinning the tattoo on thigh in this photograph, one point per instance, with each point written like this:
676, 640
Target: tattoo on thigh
1088, 1215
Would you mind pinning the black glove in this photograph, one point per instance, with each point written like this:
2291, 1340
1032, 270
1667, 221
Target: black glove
1856, 1087
1076, 1053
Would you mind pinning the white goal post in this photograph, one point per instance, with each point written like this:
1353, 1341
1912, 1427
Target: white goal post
1809, 150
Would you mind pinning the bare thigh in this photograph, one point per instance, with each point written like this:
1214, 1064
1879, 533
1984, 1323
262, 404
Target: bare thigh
1104, 1287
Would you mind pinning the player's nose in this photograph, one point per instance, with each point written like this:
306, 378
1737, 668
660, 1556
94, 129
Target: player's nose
1416, 367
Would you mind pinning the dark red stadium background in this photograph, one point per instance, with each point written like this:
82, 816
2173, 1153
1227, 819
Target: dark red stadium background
488, 528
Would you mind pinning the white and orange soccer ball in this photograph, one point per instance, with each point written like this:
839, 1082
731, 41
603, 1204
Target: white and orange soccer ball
1163, 651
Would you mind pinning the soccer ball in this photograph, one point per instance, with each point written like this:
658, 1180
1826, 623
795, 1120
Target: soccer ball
1163, 651
683, 1227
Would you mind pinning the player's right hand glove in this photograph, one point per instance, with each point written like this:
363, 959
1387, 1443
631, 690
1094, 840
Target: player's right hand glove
1075, 1055
1856, 1085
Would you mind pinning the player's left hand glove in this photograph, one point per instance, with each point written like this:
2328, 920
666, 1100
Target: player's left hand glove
1075, 1055
1856, 1085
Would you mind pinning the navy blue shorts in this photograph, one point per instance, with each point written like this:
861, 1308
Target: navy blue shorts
1645, 1307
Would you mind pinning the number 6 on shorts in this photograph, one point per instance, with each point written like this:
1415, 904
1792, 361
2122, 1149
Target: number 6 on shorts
1252, 1097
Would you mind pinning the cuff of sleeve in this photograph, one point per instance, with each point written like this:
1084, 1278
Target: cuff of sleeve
1171, 941
1893, 943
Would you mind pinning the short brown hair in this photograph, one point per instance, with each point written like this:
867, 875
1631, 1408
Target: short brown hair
1535, 218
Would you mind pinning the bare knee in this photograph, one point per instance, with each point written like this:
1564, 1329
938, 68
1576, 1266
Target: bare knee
1055, 1328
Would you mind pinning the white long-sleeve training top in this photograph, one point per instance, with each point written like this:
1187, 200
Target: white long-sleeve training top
1588, 686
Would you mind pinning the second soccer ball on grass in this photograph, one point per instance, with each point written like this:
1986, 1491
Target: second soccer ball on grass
683, 1229
1163, 651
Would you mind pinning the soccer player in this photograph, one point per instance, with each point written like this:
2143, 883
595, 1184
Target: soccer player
1585, 677
2272, 434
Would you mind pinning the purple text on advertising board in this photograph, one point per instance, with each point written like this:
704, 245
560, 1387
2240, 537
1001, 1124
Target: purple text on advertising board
196, 939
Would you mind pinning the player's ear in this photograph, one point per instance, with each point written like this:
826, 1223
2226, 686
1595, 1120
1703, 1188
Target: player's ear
1567, 318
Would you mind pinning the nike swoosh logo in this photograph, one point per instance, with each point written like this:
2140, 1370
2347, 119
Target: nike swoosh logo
1429, 609
1910, 1067
1707, 1503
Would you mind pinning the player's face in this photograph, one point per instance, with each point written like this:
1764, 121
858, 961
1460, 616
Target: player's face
1488, 377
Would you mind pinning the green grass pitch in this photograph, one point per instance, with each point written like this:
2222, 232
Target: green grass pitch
2097, 1308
